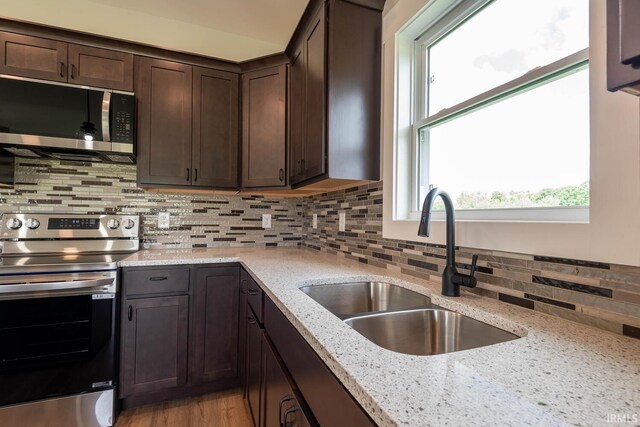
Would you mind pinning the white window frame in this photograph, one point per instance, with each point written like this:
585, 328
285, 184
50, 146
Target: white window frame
537, 77
613, 230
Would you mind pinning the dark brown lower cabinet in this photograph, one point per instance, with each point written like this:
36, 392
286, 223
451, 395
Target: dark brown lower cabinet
180, 332
155, 344
215, 324
254, 367
281, 406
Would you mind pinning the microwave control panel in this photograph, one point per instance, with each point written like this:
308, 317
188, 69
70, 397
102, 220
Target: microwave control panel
123, 117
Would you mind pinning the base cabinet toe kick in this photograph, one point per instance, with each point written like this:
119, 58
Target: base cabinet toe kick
188, 330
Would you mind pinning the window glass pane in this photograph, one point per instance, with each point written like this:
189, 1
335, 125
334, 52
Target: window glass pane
531, 150
504, 40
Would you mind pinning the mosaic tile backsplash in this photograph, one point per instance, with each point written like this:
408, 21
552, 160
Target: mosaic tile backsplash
598, 294
197, 220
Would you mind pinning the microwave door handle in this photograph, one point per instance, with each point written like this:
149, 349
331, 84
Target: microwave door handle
106, 110
55, 286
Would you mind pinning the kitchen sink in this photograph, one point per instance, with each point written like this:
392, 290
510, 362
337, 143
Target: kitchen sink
427, 331
348, 299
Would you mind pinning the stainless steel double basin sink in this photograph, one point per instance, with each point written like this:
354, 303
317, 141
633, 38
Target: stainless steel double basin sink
404, 321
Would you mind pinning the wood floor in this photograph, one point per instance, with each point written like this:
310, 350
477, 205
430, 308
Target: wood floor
220, 410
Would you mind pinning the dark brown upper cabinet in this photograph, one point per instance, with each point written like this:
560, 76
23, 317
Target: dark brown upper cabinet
33, 57
308, 150
187, 125
215, 128
100, 67
264, 127
46, 59
335, 92
164, 93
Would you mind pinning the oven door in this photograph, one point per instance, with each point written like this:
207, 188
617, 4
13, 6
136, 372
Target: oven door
56, 344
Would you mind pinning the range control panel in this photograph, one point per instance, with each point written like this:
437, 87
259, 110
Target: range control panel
69, 226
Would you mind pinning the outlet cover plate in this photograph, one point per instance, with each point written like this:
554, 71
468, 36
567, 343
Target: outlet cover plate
342, 220
266, 220
315, 221
164, 220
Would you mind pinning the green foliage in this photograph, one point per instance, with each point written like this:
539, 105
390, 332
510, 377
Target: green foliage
572, 196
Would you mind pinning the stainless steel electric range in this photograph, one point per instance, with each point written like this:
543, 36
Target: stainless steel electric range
58, 310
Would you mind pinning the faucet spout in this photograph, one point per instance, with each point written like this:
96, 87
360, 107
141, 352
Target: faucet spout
451, 278
425, 221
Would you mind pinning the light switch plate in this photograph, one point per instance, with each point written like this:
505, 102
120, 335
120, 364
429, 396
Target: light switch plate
164, 220
266, 220
315, 221
342, 219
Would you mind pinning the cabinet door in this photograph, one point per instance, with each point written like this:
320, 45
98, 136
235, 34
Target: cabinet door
154, 344
215, 324
297, 116
164, 96
33, 57
264, 127
215, 128
254, 367
100, 67
242, 346
281, 408
315, 97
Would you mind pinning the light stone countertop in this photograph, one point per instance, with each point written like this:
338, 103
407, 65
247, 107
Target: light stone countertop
558, 373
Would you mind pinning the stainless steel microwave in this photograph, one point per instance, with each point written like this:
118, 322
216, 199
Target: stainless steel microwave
67, 122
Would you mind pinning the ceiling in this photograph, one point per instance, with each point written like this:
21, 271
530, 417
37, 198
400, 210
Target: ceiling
235, 30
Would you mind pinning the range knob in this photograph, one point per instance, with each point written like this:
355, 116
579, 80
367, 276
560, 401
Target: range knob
32, 223
113, 224
128, 223
14, 223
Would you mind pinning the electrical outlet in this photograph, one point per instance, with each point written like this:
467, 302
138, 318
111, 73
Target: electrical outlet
266, 220
342, 220
164, 220
315, 221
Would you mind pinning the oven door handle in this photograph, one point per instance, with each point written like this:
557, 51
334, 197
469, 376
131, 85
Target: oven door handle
55, 286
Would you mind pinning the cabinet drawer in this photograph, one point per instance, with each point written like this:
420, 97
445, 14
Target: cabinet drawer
255, 298
156, 281
330, 403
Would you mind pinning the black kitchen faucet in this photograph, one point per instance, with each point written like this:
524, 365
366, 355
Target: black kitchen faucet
451, 278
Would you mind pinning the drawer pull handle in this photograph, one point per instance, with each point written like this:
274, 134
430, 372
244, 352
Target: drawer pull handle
62, 69
253, 292
158, 278
130, 313
281, 174
289, 411
285, 399
73, 71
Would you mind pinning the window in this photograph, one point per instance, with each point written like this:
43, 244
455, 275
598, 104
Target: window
501, 112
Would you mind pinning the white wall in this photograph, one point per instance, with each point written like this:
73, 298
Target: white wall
613, 232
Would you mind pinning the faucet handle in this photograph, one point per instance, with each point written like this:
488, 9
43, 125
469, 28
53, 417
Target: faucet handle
474, 262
